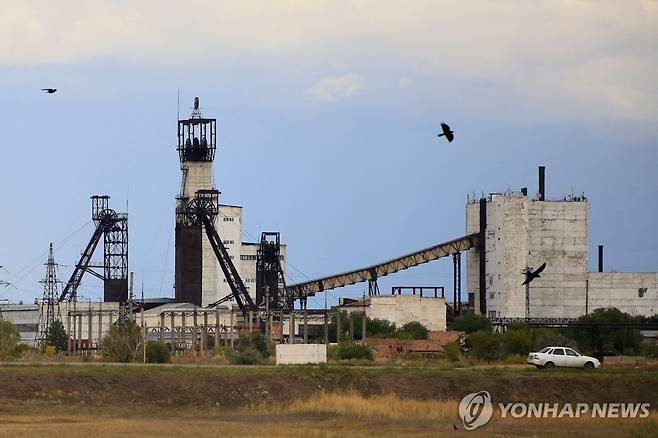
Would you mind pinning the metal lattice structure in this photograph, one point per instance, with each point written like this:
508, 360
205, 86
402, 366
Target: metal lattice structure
49, 311
197, 137
270, 281
113, 228
371, 273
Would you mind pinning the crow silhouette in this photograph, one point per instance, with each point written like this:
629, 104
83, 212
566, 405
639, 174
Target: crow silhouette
447, 132
49, 90
531, 275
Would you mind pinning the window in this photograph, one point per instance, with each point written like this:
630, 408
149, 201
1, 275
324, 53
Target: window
570, 352
228, 242
492, 295
492, 314
544, 350
248, 257
281, 258
559, 351
229, 219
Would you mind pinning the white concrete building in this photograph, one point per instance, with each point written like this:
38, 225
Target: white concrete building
525, 232
402, 309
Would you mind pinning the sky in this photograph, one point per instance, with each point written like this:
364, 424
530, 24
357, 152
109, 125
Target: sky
327, 114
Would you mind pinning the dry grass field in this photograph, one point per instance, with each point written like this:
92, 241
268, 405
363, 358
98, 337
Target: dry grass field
109, 402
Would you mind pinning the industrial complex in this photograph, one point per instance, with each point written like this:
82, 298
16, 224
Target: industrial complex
224, 284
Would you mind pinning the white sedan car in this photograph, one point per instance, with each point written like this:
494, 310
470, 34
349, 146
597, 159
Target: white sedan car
550, 357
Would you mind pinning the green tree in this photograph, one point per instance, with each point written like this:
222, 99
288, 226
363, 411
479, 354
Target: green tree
486, 345
412, 330
620, 340
9, 341
56, 336
123, 342
452, 350
470, 323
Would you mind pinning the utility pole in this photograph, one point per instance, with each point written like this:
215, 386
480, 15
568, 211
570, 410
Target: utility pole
143, 326
364, 319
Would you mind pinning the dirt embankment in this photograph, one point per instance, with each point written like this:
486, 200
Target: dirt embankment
233, 388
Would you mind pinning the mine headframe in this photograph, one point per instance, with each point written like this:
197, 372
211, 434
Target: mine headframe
112, 227
202, 211
270, 281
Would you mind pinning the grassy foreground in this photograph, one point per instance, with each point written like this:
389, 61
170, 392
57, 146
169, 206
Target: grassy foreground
112, 401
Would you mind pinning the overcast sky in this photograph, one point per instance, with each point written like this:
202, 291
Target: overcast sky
327, 114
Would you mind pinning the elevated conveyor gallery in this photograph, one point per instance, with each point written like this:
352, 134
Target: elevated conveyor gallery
372, 273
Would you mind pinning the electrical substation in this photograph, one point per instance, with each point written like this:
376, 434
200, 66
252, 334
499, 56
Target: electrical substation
225, 285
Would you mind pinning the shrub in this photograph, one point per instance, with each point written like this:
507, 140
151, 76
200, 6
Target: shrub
9, 341
486, 345
50, 350
252, 349
517, 342
346, 351
470, 323
412, 330
452, 350
245, 356
158, 352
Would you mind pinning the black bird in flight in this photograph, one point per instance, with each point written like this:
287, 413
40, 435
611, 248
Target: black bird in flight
531, 275
49, 90
447, 132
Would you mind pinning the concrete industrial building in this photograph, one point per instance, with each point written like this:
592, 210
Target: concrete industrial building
520, 232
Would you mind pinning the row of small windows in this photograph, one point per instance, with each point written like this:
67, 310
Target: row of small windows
229, 219
246, 280
228, 242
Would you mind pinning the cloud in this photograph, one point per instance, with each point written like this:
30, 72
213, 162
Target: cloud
336, 87
536, 56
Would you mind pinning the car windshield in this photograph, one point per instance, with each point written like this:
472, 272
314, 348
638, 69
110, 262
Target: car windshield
544, 350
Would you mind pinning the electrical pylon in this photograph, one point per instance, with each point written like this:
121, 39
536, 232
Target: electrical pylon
49, 301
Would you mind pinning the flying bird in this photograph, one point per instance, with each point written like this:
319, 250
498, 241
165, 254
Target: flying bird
447, 132
49, 90
531, 275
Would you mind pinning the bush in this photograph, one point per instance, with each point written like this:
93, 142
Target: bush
517, 342
470, 323
252, 349
122, 343
346, 351
412, 330
608, 339
158, 352
452, 350
9, 341
486, 345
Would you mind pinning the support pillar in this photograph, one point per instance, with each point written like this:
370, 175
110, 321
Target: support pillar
326, 328
364, 321
68, 332
204, 337
162, 326
195, 327
89, 331
100, 325
351, 327
231, 329
291, 330
172, 332
183, 335
216, 328
305, 326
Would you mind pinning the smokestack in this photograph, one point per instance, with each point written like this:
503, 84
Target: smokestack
524, 191
542, 179
600, 258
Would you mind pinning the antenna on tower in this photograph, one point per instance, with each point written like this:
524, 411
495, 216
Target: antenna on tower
49, 311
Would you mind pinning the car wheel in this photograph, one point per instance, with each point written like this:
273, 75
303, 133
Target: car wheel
549, 365
589, 365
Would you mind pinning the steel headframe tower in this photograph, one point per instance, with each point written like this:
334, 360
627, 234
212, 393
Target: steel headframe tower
197, 143
201, 212
270, 281
113, 227
49, 303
